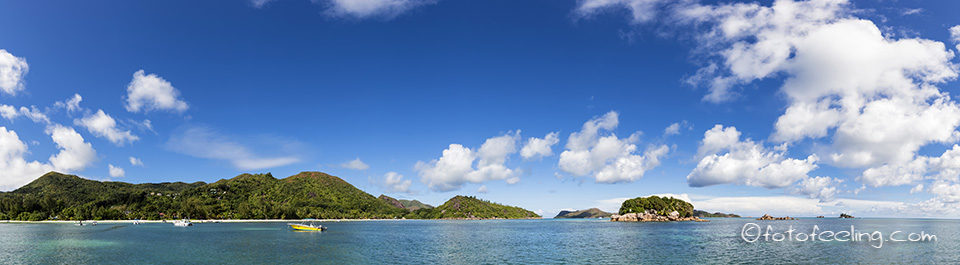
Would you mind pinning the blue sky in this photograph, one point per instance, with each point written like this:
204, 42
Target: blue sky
801, 108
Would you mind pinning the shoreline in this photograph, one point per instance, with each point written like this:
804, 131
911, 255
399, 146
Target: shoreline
241, 220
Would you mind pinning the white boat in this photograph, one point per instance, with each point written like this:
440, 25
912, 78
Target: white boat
182, 223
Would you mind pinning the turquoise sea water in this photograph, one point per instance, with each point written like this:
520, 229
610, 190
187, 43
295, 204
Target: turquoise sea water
476, 242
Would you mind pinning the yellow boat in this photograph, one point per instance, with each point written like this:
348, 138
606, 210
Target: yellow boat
312, 226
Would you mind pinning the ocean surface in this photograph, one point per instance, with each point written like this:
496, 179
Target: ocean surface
544, 241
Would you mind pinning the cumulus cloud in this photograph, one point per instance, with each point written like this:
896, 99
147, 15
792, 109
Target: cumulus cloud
71, 104
371, 8
946, 192
32, 113
877, 94
874, 98
116, 172
823, 188
394, 182
943, 167
456, 165
152, 93
540, 147
607, 158
75, 154
102, 125
205, 142
12, 70
16, 171
728, 160
355, 164
135, 161
482, 189
917, 188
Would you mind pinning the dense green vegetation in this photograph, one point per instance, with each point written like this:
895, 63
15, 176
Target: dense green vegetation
661, 205
259, 196
390, 200
414, 205
588, 213
703, 214
463, 207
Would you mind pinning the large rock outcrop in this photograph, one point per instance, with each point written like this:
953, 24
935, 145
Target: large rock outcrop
768, 217
652, 216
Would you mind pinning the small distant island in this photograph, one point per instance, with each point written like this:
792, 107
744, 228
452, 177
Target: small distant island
768, 217
655, 209
317, 195
588, 213
844, 215
704, 214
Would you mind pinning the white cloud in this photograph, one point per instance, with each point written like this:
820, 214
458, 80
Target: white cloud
876, 94
823, 188
917, 188
102, 125
12, 70
456, 165
395, 183
482, 189
945, 167
8, 112
912, 11
540, 147
204, 142
32, 113
608, 159
726, 160
15, 171
135, 161
955, 36
116, 172
71, 104
355, 164
946, 192
371, 8
674, 128
640, 10
75, 154
152, 93
873, 97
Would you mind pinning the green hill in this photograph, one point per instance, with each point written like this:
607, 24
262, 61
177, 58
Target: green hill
414, 205
247, 196
588, 213
661, 205
390, 200
463, 207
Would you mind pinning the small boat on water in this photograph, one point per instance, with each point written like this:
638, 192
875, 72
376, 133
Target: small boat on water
307, 226
182, 223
